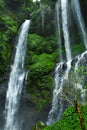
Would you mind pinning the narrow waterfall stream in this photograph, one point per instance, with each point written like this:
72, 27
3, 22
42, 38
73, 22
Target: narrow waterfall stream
53, 116
16, 79
64, 11
81, 25
58, 28
57, 105
61, 74
79, 18
64, 7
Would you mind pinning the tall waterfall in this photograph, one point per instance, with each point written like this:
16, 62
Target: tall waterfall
64, 11
16, 79
61, 73
79, 85
57, 104
79, 18
78, 15
58, 29
64, 7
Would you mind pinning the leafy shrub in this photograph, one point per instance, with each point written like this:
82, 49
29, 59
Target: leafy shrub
40, 60
70, 120
8, 30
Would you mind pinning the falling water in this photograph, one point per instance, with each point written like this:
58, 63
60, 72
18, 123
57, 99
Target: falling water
78, 15
58, 103
52, 116
61, 74
58, 28
77, 12
16, 79
79, 85
64, 7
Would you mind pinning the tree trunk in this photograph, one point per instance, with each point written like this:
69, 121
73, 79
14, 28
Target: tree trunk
77, 106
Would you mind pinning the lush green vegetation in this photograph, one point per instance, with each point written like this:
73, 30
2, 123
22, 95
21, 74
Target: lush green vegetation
70, 120
8, 31
42, 53
41, 59
44, 13
12, 14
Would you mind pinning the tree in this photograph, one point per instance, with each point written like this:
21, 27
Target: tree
73, 92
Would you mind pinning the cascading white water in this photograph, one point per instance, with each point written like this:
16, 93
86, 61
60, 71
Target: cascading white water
53, 116
16, 79
79, 85
77, 13
64, 7
57, 103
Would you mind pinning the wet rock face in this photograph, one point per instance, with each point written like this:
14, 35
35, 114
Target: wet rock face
2, 102
29, 115
83, 61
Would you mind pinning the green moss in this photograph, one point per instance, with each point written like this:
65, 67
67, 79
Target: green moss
70, 120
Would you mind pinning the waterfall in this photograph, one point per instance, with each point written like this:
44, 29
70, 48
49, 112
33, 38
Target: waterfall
16, 79
57, 103
58, 28
61, 72
78, 15
64, 11
79, 85
64, 7
53, 116
81, 25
